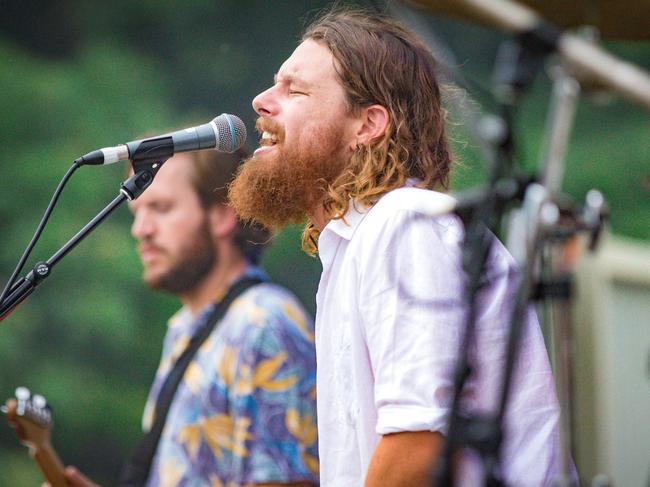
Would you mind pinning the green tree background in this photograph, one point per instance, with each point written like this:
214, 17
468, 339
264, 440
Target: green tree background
75, 76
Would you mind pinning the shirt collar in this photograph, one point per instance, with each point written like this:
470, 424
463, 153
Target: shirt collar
345, 226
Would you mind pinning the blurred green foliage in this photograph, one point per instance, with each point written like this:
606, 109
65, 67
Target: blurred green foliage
78, 76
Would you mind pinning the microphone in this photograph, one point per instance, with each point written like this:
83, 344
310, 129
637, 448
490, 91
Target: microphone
226, 133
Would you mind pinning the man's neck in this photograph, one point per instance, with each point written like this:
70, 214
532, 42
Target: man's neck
318, 217
215, 283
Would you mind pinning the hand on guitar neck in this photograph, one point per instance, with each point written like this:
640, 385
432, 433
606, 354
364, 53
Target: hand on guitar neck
31, 417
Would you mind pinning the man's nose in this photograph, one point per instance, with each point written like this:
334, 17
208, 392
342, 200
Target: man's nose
142, 226
265, 104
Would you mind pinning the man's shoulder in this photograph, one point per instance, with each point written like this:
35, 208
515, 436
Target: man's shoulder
270, 296
268, 308
400, 207
424, 201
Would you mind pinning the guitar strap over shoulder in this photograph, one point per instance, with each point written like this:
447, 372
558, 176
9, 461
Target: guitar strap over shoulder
136, 471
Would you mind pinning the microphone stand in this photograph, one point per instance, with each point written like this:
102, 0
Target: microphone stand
516, 66
544, 221
144, 173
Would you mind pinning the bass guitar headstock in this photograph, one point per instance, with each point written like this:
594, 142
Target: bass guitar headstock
31, 417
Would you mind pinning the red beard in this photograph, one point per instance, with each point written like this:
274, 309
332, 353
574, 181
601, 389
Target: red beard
281, 188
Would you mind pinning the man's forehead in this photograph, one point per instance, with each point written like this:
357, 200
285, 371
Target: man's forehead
309, 62
173, 176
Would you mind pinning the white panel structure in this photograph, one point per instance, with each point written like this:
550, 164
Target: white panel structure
612, 364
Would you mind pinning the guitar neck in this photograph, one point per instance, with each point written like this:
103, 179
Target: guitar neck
50, 464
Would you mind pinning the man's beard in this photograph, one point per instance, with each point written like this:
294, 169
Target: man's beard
279, 189
196, 260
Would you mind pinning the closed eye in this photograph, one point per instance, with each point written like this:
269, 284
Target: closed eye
161, 206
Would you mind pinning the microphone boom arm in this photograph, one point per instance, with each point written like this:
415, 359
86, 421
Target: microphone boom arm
129, 190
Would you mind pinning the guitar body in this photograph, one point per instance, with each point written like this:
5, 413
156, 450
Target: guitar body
31, 418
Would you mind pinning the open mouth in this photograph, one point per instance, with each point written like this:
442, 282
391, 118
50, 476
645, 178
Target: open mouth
268, 139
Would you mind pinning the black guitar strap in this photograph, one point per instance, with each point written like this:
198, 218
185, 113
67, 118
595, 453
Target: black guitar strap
136, 471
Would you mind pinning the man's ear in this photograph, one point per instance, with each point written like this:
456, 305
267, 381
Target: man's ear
374, 122
223, 221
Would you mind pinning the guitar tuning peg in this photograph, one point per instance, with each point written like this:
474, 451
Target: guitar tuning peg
22, 393
39, 401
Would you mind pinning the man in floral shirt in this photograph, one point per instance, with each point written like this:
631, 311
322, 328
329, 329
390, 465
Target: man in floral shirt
244, 411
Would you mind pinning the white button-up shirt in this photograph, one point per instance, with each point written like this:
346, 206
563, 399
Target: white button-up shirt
390, 316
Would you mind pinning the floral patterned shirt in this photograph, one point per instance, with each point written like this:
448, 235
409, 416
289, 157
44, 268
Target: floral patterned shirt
245, 410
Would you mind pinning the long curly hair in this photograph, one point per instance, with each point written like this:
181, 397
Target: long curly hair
380, 62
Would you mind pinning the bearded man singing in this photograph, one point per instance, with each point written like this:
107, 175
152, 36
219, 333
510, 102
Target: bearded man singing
353, 138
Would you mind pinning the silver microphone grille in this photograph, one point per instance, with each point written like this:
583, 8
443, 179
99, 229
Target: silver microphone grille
231, 132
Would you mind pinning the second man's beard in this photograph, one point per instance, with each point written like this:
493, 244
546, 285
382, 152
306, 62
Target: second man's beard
197, 259
280, 189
